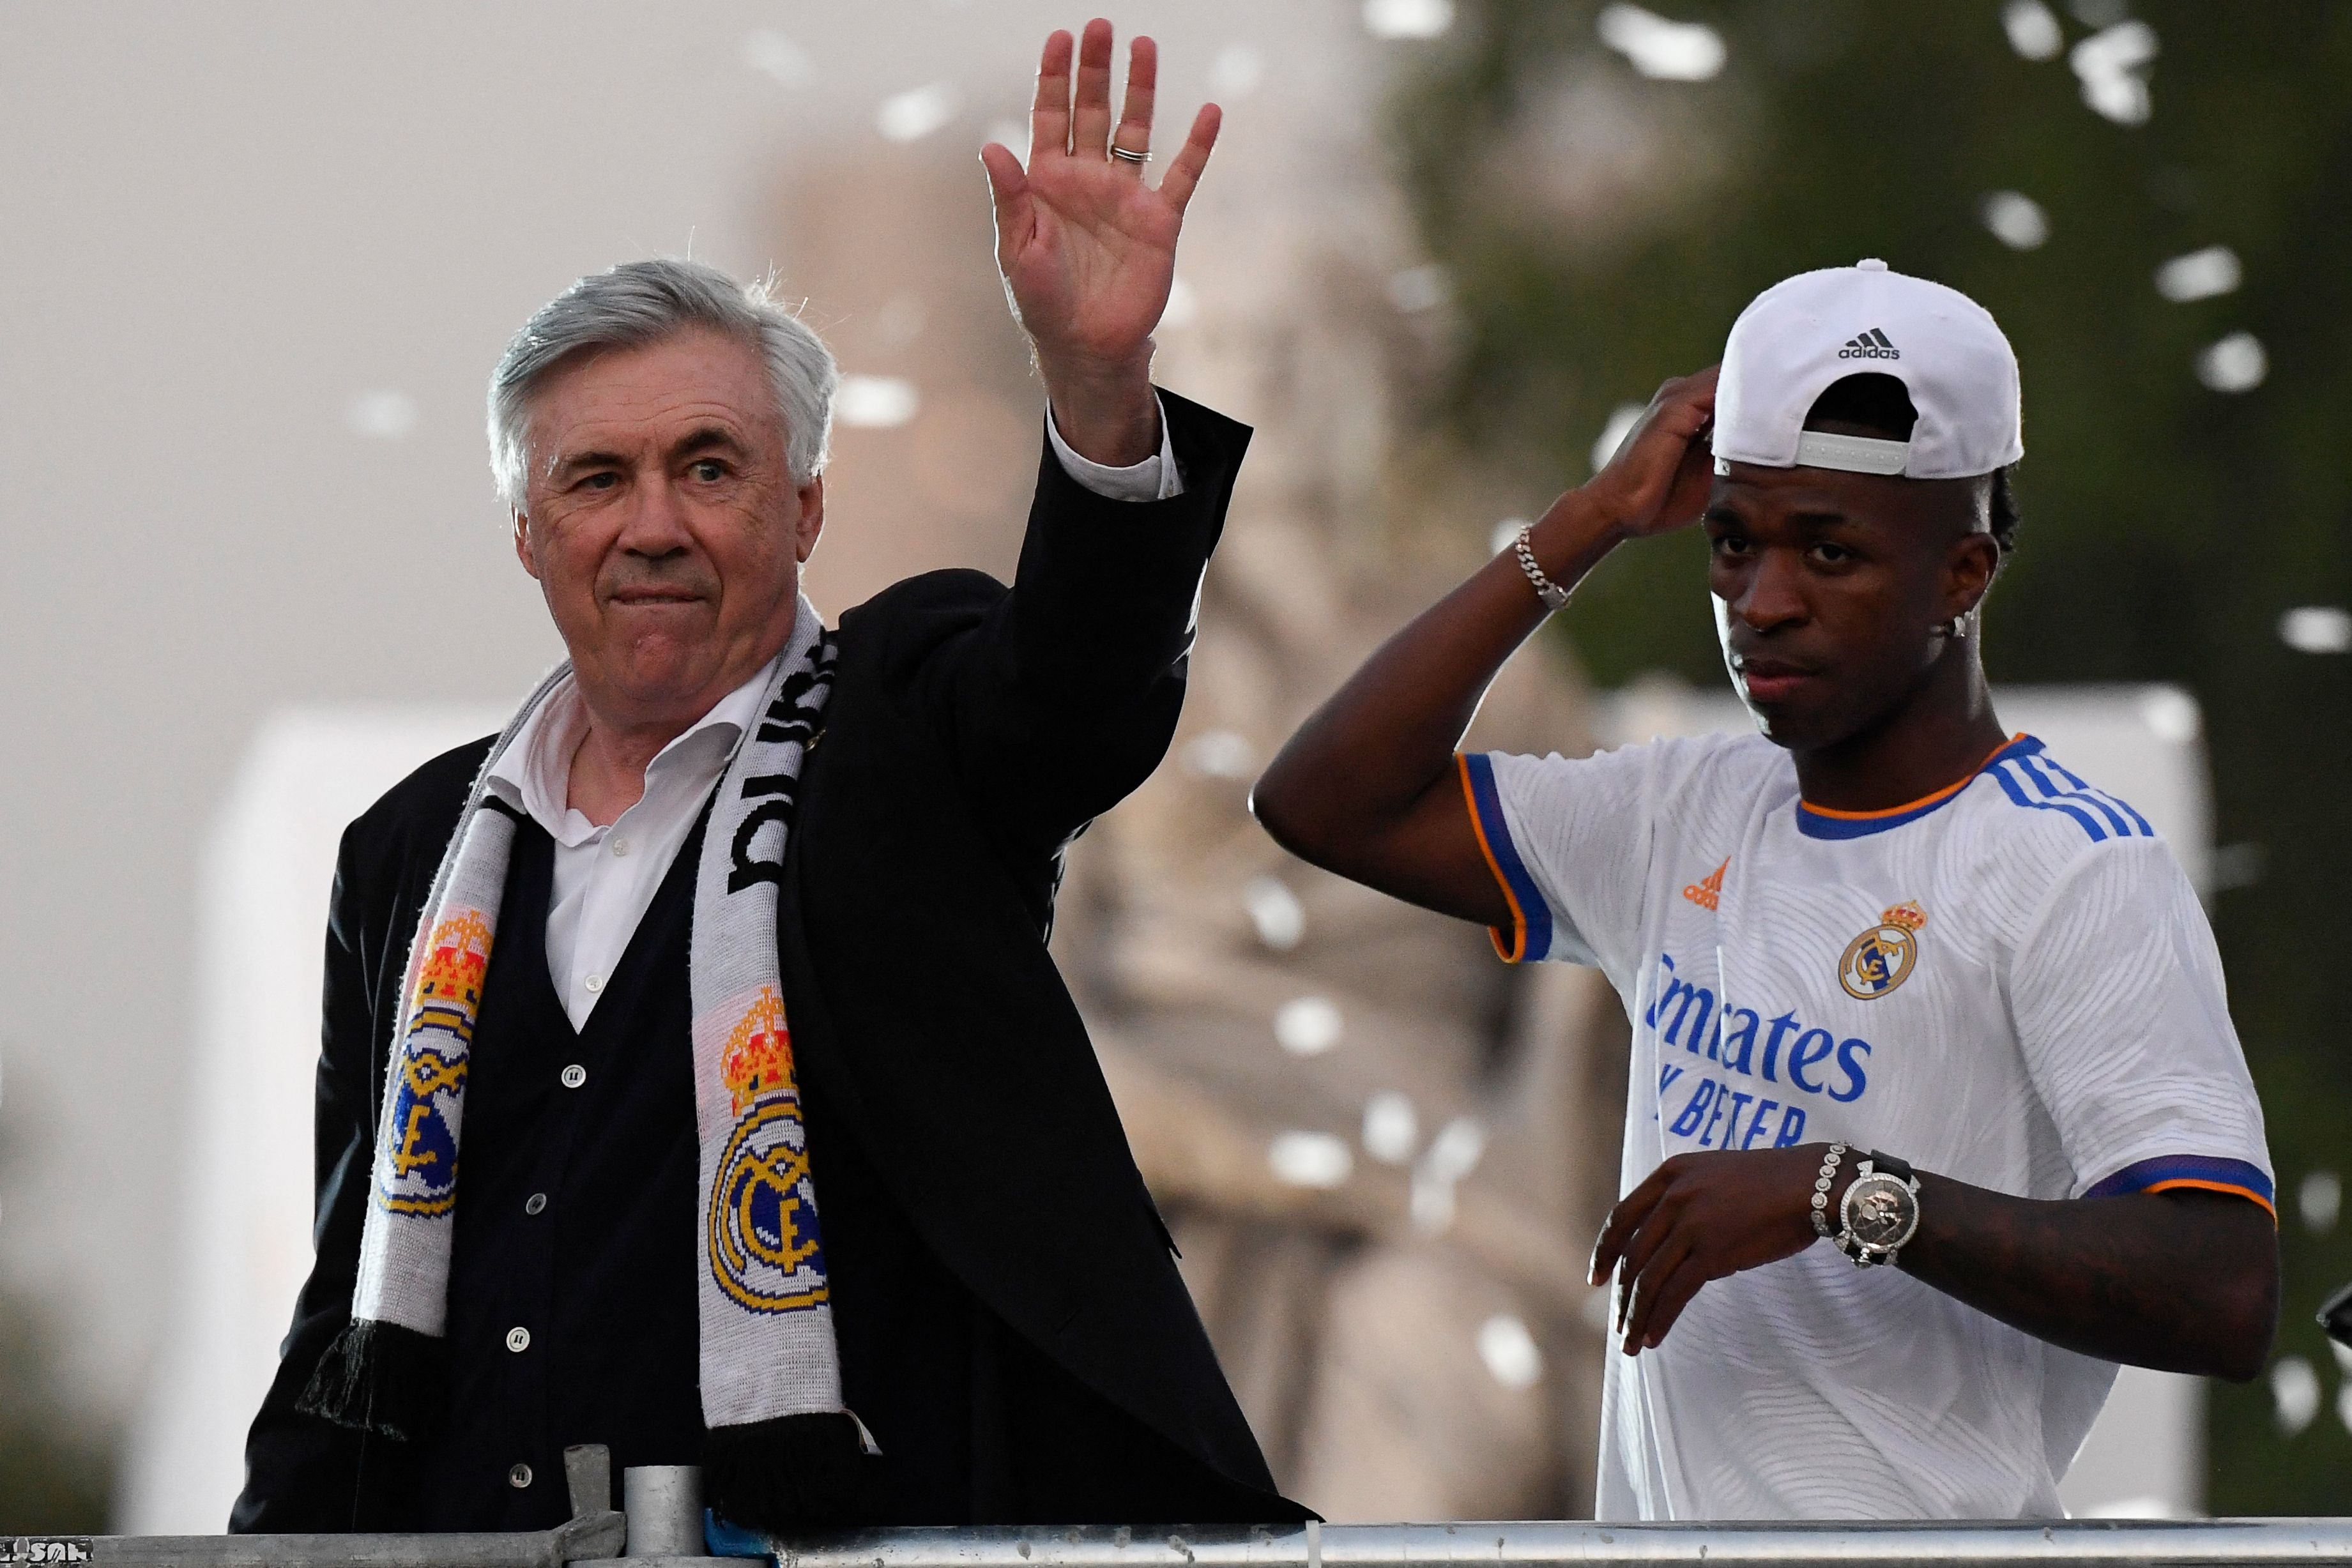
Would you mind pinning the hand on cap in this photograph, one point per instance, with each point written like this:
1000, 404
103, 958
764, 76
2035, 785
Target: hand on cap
1662, 473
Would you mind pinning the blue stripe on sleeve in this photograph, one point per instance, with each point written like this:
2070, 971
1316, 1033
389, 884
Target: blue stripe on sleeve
2188, 1170
1535, 910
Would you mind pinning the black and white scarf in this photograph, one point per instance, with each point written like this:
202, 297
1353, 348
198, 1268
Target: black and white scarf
767, 1354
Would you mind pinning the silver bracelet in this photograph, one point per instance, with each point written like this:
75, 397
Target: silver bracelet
1552, 594
1822, 1184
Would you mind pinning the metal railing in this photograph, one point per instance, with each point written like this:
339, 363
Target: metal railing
597, 1539
661, 1522
1559, 1545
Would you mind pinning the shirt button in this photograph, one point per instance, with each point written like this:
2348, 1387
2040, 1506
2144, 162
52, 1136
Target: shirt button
620, 846
518, 1339
535, 1204
519, 1477
575, 1076
594, 983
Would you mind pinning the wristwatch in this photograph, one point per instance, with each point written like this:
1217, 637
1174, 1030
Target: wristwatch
1880, 1210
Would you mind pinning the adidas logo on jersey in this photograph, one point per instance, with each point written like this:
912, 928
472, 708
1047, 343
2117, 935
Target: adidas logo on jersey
1874, 344
1708, 894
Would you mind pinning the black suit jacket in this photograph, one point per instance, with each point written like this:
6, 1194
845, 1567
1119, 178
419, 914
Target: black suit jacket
974, 730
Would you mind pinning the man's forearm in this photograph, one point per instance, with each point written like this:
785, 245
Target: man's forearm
1386, 738
2181, 1281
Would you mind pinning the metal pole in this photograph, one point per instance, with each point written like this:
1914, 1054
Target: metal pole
664, 1504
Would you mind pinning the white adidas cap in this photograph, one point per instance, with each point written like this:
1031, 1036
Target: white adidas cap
1817, 328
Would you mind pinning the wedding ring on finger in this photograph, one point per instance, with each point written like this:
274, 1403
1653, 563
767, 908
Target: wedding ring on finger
1128, 155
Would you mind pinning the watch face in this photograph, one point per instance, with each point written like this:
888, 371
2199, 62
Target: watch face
1880, 1210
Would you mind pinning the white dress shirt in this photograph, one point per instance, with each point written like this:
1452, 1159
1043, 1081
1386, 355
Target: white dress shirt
605, 877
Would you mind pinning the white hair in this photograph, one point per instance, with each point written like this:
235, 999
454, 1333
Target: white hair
642, 302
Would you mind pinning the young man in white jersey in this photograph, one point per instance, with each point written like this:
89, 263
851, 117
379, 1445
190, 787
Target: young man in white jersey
1937, 1112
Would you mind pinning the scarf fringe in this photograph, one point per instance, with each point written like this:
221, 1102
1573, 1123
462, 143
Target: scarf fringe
380, 1377
793, 1472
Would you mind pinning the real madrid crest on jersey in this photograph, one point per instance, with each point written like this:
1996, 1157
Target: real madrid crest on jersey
764, 1249
1882, 958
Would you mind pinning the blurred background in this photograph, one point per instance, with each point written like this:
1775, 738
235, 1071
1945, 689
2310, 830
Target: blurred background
257, 261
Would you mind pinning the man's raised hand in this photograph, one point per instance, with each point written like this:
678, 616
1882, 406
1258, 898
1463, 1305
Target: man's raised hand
1087, 247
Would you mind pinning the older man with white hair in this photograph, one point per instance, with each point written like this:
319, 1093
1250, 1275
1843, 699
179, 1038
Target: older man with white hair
784, 1151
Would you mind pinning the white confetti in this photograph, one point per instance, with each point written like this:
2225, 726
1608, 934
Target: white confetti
2033, 28
1509, 1351
2319, 1199
1237, 71
2317, 629
1452, 1155
1408, 18
1622, 421
1276, 913
2171, 714
1310, 1159
1307, 1026
914, 114
1660, 48
2200, 275
2235, 364
1455, 1152
2110, 65
2294, 1393
876, 403
2015, 219
1390, 1127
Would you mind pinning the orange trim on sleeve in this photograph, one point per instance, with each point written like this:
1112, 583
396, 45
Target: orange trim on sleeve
2231, 1188
1519, 943
1946, 792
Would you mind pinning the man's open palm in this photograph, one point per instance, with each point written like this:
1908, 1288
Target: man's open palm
1088, 248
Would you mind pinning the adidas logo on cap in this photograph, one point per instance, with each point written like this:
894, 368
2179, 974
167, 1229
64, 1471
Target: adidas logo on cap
1791, 343
1874, 344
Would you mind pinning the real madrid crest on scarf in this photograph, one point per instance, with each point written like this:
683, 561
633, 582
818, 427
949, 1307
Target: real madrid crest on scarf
760, 1227
768, 1354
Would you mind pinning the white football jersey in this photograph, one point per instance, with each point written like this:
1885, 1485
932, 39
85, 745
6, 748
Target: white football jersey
2010, 983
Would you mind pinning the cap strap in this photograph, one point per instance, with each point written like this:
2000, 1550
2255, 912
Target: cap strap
1852, 454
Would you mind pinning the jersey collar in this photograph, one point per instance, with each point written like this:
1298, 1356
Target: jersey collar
1822, 822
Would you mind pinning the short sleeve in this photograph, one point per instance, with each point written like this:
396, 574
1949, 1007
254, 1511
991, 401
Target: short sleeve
1569, 842
2120, 1007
